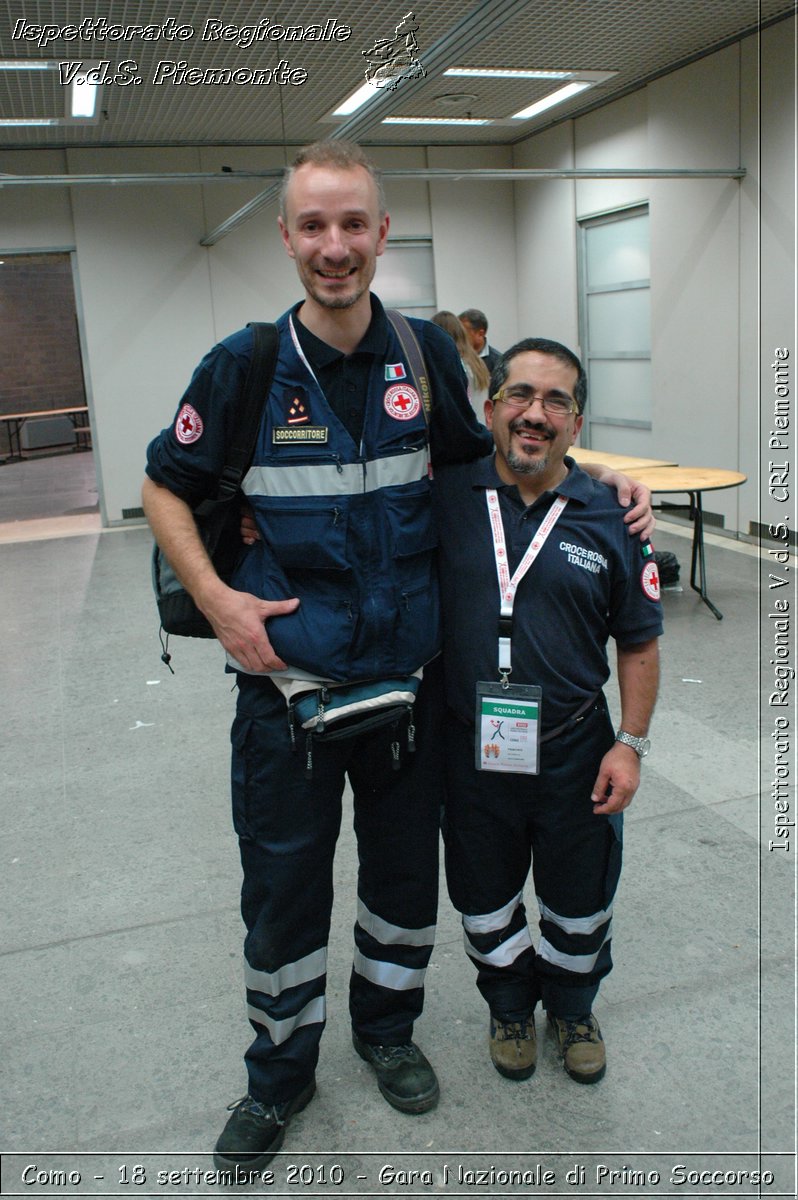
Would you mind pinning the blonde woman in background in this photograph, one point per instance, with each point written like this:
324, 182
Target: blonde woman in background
475, 369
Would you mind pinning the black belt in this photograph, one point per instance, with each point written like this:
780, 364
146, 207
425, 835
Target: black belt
579, 715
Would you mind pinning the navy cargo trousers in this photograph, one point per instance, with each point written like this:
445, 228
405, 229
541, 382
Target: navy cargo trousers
496, 826
288, 825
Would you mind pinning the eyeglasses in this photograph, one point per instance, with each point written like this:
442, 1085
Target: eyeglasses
521, 396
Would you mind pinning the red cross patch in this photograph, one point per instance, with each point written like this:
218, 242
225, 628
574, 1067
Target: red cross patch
402, 402
188, 426
649, 580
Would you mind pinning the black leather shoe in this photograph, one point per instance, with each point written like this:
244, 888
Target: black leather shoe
405, 1078
255, 1131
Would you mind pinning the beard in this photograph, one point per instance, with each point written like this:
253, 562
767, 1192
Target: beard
527, 466
335, 301
359, 282
522, 464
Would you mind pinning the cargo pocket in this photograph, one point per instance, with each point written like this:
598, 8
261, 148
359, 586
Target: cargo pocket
413, 541
239, 776
305, 555
307, 537
412, 532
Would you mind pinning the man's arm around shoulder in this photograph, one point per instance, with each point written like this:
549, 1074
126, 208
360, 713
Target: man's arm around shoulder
237, 618
639, 518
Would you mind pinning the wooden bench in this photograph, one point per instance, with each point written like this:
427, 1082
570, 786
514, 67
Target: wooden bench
15, 422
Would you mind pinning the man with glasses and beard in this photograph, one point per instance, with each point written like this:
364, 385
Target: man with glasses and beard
535, 773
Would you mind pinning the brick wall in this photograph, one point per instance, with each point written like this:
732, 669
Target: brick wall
40, 363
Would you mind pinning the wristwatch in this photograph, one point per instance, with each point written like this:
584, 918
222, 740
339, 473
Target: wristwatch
640, 745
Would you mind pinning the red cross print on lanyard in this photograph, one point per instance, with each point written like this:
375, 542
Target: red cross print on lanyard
509, 586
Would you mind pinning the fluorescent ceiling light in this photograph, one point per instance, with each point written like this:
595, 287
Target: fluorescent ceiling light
435, 121
563, 93
29, 121
579, 81
507, 73
16, 64
366, 91
83, 97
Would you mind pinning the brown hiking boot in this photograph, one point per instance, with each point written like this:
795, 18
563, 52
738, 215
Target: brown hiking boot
580, 1047
513, 1047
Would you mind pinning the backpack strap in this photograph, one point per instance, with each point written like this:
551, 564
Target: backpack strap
247, 414
415, 359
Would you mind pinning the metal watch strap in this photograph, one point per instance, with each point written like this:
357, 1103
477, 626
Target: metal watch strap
640, 745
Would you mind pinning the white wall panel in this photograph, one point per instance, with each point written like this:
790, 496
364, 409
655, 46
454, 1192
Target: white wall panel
252, 277
613, 136
473, 231
546, 242
146, 304
35, 217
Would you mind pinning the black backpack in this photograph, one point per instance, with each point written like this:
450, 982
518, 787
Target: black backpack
668, 567
218, 518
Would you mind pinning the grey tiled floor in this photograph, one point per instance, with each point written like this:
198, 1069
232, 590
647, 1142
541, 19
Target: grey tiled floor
48, 486
121, 989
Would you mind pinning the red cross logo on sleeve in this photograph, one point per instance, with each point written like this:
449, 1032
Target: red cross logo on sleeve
188, 426
649, 580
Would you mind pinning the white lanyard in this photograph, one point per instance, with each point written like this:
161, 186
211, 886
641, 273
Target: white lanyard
301, 353
509, 586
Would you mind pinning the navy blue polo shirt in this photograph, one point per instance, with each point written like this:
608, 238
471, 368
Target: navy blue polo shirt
344, 378
585, 586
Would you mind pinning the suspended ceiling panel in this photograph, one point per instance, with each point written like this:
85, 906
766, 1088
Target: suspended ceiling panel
154, 102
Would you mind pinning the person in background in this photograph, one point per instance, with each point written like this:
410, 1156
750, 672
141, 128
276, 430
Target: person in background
475, 367
475, 324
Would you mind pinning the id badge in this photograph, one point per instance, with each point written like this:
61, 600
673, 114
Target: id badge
508, 728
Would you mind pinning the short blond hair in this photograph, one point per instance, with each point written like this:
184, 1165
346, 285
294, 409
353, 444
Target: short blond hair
341, 156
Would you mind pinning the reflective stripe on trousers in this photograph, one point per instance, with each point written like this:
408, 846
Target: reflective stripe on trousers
288, 826
496, 828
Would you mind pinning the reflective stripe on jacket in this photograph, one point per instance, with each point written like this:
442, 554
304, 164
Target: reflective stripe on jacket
346, 528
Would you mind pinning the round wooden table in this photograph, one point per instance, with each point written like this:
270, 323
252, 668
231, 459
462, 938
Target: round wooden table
629, 464
693, 481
